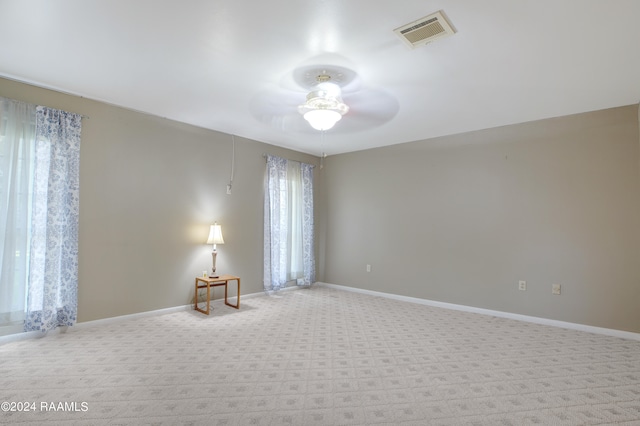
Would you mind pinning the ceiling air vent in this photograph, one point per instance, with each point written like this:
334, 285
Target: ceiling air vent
425, 30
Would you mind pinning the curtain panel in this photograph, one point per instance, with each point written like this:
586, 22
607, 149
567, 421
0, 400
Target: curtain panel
39, 208
288, 223
52, 297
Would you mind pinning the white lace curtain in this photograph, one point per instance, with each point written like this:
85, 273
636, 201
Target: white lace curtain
17, 133
288, 223
47, 203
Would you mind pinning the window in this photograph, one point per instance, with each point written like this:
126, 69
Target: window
39, 188
17, 144
288, 223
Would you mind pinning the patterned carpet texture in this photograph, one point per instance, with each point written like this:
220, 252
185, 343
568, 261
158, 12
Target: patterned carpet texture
321, 356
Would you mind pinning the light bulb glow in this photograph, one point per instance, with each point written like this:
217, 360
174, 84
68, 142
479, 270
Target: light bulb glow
322, 119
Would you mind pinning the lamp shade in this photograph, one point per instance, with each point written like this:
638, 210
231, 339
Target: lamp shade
322, 119
215, 235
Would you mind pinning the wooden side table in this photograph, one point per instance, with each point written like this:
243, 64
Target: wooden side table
208, 282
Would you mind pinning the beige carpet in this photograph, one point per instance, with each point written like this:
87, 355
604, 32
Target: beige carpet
322, 356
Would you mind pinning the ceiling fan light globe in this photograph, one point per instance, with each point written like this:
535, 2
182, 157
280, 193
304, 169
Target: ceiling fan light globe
322, 119
329, 89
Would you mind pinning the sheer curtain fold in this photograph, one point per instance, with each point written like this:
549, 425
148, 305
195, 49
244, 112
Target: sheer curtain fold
308, 236
288, 223
17, 135
295, 263
275, 224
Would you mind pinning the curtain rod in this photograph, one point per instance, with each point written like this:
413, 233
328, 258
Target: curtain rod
264, 155
24, 102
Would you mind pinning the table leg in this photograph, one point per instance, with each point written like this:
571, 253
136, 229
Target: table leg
197, 308
208, 296
237, 305
195, 298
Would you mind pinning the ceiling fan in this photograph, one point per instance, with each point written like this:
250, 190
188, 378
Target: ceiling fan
324, 106
316, 97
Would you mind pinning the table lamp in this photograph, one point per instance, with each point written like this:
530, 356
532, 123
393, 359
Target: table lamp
215, 237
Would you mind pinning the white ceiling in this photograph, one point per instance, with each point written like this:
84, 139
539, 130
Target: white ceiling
228, 65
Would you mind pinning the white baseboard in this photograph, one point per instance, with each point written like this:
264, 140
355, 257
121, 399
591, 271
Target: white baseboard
500, 314
120, 318
536, 320
112, 320
20, 336
88, 324
188, 307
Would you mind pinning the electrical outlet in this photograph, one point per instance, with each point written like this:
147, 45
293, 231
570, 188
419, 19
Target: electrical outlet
522, 285
555, 288
368, 268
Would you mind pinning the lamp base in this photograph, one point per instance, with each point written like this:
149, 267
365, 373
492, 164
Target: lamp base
214, 255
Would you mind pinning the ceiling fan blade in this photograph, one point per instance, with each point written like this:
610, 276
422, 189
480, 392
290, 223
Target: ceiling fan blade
368, 108
271, 106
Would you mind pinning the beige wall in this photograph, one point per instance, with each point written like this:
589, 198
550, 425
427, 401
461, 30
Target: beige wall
458, 219
149, 189
462, 219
